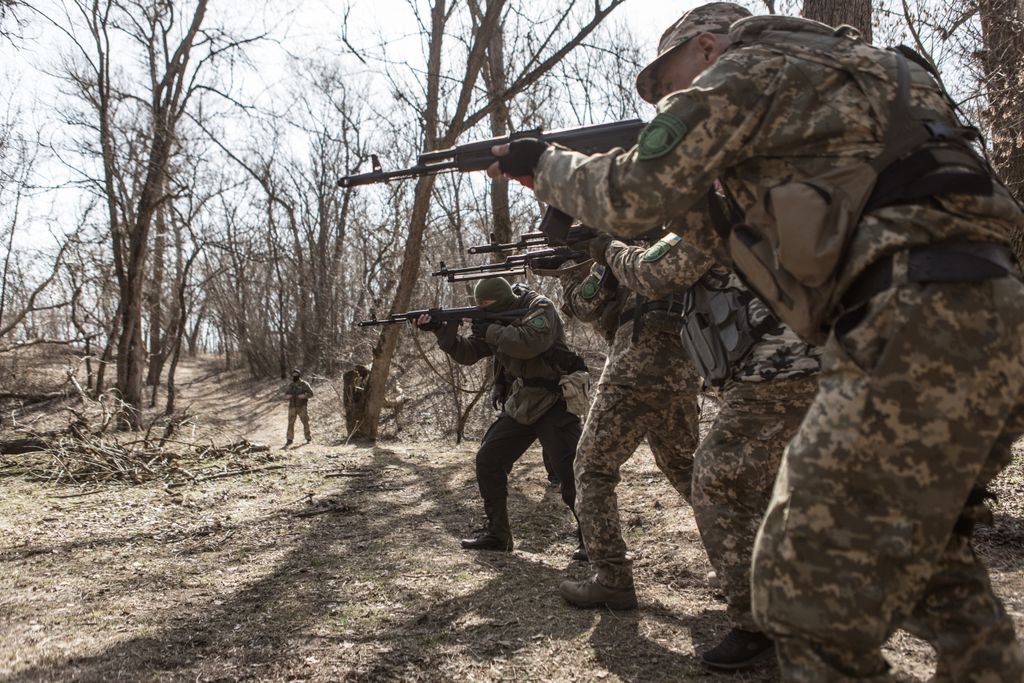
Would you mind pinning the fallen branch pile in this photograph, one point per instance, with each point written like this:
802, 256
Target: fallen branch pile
85, 458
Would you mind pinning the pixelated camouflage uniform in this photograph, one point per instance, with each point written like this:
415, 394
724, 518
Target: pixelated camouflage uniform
297, 407
920, 395
760, 408
647, 389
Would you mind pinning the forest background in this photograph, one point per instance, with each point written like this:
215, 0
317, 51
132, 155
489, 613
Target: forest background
168, 169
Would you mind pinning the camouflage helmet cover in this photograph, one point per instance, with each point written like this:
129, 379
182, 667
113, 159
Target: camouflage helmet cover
713, 17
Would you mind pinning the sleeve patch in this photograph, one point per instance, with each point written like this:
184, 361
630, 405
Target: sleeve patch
539, 321
661, 136
661, 247
590, 287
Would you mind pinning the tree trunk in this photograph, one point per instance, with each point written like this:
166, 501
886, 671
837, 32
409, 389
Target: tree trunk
496, 81
856, 13
157, 338
1002, 59
384, 351
354, 396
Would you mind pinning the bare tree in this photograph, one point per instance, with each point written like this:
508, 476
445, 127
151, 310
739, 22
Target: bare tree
441, 131
1002, 61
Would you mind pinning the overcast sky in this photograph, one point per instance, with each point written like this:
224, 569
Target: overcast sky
301, 29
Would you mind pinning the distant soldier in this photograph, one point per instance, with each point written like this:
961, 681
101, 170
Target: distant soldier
531, 362
298, 393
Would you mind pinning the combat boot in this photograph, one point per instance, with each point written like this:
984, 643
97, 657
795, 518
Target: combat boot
497, 535
590, 593
739, 650
485, 539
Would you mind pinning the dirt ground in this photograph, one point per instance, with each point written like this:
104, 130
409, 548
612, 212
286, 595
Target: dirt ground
345, 565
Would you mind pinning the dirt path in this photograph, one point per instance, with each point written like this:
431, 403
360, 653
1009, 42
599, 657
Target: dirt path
345, 565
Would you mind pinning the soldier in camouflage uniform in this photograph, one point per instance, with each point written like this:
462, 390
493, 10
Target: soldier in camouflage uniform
647, 389
531, 357
921, 308
298, 392
762, 400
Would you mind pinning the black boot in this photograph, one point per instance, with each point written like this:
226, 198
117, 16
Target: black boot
739, 650
497, 535
580, 554
485, 539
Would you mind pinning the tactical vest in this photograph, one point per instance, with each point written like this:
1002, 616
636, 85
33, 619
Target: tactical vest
717, 331
790, 245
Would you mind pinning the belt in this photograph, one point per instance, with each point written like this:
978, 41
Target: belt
659, 306
953, 261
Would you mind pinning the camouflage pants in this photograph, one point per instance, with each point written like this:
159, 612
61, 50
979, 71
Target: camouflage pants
301, 413
919, 402
733, 473
620, 417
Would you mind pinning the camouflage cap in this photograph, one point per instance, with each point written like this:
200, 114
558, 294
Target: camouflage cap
714, 17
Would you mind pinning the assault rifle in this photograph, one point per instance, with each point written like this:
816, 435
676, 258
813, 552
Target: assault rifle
449, 314
532, 240
476, 156
512, 265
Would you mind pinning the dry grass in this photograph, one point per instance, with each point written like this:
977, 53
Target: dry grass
299, 574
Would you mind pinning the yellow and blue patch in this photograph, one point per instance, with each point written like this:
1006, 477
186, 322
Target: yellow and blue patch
658, 250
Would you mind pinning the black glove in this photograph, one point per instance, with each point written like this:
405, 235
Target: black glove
522, 158
480, 328
498, 396
597, 246
548, 262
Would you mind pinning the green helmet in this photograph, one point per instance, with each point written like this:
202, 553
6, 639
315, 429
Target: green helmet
494, 294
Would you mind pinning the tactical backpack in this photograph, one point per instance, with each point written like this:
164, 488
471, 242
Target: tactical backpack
792, 241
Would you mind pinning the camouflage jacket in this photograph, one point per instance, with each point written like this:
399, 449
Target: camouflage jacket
296, 389
656, 359
524, 350
768, 111
672, 264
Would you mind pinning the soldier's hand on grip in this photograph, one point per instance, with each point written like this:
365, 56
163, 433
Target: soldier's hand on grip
517, 160
480, 328
425, 323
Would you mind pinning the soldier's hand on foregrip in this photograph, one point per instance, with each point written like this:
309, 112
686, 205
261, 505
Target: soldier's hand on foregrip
425, 323
517, 160
598, 245
548, 262
480, 328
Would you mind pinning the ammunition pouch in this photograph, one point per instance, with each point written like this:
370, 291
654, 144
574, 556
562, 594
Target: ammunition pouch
717, 332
